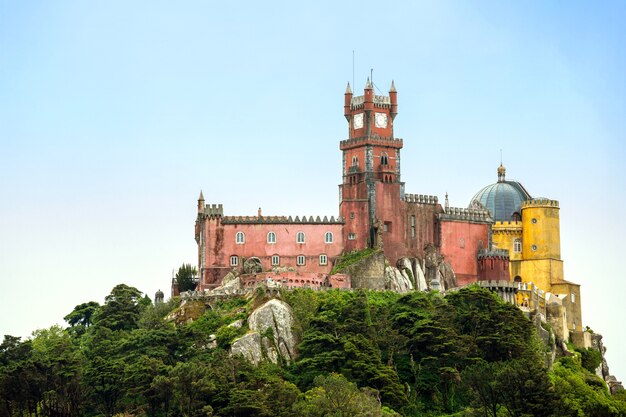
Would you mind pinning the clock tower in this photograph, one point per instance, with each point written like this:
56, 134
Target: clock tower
371, 190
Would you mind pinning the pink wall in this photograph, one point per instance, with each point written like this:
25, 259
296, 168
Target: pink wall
460, 242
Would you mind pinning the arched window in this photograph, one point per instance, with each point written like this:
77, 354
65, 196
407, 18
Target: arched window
328, 237
275, 260
517, 245
384, 159
240, 238
300, 260
271, 237
355, 161
300, 237
234, 260
323, 259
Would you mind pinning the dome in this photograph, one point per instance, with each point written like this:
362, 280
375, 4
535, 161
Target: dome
502, 199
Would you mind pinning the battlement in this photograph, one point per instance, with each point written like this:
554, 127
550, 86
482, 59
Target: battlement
280, 220
466, 214
540, 202
370, 140
213, 210
493, 253
421, 199
358, 102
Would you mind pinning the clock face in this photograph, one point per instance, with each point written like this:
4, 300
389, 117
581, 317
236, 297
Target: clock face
380, 120
357, 121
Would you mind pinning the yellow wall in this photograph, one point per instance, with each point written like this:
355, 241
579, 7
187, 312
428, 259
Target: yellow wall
541, 232
572, 304
504, 234
542, 272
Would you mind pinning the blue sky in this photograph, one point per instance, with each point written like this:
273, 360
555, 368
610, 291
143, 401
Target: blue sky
113, 116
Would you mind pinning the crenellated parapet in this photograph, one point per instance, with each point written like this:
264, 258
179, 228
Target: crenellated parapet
421, 198
493, 254
213, 210
540, 202
466, 214
280, 220
370, 140
358, 102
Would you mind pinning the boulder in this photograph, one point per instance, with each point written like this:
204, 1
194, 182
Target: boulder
398, 280
420, 278
270, 335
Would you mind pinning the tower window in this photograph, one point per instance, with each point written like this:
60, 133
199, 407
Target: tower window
323, 259
413, 230
355, 161
271, 237
352, 215
517, 245
240, 238
300, 260
328, 237
384, 159
534, 221
275, 260
234, 260
573, 298
300, 237
351, 236
534, 247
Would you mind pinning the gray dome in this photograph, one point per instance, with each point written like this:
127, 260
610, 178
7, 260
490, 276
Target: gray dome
503, 198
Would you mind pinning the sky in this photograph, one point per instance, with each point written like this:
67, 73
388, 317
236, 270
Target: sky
114, 115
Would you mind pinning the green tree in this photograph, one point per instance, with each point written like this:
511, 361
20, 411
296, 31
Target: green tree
187, 277
121, 310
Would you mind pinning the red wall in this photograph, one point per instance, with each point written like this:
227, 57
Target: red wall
460, 242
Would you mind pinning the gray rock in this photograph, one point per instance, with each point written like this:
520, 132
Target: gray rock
397, 280
270, 335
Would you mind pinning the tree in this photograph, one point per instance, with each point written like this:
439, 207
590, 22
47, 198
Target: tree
121, 309
187, 277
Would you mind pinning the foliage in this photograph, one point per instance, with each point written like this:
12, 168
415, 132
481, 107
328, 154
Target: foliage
351, 258
590, 358
361, 353
187, 277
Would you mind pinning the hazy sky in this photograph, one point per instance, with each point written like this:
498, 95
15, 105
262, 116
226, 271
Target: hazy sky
113, 116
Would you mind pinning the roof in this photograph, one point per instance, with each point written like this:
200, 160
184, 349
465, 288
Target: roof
503, 198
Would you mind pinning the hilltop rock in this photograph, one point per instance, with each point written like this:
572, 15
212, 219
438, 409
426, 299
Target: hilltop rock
270, 334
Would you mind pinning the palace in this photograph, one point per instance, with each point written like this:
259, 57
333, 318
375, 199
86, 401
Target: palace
504, 238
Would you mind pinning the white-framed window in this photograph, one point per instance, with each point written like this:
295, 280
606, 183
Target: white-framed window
355, 161
275, 260
323, 259
300, 260
300, 237
573, 298
234, 260
328, 237
517, 246
271, 237
240, 238
351, 236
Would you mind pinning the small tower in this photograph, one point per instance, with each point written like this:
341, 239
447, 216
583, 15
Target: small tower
501, 173
200, 203
158, 297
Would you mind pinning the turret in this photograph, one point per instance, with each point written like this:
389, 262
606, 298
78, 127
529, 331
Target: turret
393, 96
368, 96
200, 203
346, 102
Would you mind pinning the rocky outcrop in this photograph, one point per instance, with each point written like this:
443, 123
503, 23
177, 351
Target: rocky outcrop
603, 372
398, 280
368, 272
270, 335
188, 311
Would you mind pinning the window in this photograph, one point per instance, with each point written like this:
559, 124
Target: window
384, 159
300, 260
271, 237
534, 221
351, 236
517, 245
355, 161
275, 260
323, 259
413, 231
462, 245
352, 215
300, 237
234, 260
573, 298
240, 238
328, 237
534, 247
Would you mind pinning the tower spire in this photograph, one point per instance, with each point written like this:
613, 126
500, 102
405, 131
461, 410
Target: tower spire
501, 173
